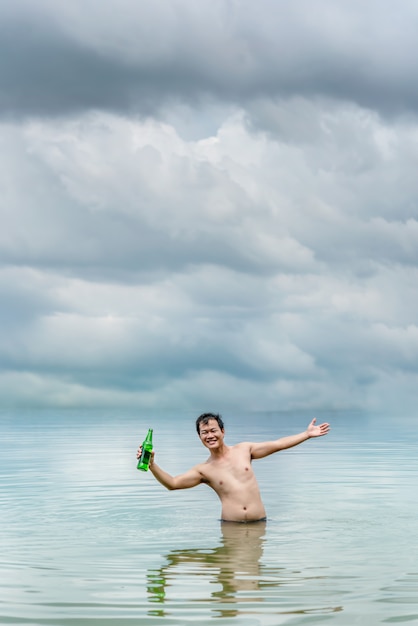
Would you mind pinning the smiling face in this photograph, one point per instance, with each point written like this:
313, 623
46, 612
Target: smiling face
211, 435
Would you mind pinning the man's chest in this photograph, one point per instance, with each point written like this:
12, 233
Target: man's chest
236, 467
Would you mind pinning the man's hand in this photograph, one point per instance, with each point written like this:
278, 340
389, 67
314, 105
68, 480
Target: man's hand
317, 431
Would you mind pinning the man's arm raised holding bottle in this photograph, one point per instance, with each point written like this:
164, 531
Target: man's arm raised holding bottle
146, 455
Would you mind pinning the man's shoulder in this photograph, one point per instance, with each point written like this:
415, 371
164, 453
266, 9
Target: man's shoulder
242, 447
243, 444
199, 467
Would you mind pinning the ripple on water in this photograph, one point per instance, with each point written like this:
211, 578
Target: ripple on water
86, 541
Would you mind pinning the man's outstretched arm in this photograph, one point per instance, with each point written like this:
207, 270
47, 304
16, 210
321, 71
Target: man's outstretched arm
189, 479
260, 450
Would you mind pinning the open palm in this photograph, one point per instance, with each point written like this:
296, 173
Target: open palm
317, 431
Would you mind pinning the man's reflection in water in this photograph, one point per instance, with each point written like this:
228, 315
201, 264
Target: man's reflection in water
234, 566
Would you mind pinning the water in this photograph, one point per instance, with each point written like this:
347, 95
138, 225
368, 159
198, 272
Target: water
86, 539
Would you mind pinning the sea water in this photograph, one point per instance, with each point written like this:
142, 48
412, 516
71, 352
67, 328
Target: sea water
86, 539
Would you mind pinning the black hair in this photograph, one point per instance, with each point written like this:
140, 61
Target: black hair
204, 419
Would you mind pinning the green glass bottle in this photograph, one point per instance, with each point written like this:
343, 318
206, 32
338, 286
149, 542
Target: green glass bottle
145, 458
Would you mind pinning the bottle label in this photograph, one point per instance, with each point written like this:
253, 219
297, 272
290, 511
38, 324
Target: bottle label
144, 460
145, 457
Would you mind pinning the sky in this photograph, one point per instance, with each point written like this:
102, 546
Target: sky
209, 205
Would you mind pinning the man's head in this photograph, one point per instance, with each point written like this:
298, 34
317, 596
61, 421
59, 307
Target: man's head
210, 428
204, 420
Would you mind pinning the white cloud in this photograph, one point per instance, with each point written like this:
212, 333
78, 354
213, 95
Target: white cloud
258, 254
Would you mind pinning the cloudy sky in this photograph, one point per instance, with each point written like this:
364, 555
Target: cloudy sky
209, 204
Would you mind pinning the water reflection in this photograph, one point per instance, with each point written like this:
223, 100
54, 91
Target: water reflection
228, 574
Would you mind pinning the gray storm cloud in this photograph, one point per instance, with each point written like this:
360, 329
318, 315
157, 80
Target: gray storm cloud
208, 204
60, 58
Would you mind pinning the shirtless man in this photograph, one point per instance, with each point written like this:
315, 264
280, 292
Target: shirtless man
228, 469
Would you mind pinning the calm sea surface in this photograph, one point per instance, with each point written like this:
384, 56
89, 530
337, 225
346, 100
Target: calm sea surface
88, 540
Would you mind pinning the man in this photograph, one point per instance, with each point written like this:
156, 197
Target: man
228, 469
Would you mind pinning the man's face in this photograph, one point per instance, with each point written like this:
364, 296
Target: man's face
211, 435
